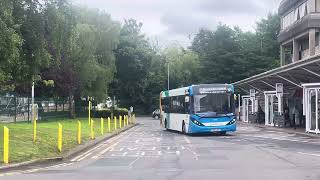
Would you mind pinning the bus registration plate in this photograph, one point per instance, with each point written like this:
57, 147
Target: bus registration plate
215, 130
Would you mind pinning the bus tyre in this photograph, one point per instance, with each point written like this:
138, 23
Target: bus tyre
165, 124
223, 133
184, 128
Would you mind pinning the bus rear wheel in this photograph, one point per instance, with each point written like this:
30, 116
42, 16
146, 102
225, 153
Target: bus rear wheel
223, 133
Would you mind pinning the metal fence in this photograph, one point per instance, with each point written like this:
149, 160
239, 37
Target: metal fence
17, 109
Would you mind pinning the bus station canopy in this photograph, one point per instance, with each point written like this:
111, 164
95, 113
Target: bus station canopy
292, 76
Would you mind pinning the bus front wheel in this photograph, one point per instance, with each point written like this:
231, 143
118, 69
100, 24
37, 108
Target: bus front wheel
165, 124
184, 128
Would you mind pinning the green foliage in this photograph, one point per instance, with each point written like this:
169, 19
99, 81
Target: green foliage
75, 52
107, 113
10, 43
229, 54
134, 57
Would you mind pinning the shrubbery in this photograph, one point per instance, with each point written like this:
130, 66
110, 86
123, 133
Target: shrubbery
105, 113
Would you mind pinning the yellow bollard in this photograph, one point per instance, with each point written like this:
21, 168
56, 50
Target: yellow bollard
5, 145
101, 126
89, 112
34, 129
120, 122
79, 132
109, 125
92, 129
60, 137
115, 123
126, 120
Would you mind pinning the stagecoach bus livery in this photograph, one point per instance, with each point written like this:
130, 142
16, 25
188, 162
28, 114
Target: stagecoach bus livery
207, 108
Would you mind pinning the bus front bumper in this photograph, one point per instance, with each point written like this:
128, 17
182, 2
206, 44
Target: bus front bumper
193, 128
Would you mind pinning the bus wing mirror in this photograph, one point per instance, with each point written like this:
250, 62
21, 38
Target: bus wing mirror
187, 99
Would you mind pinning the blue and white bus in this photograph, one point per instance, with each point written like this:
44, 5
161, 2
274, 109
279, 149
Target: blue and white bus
207, 108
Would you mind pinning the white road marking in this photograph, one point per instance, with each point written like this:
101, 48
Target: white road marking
134, 161
168, 148
159, 153
125, 153
154, 148
121, 149
104, 151
187, 140
80, 159
182, 147
143, 153
132, 149
137, 141
178, 153
280, 139
309, 154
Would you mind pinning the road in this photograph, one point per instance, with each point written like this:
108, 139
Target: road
151, 153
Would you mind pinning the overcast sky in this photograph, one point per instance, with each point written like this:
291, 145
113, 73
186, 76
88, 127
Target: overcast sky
176, 20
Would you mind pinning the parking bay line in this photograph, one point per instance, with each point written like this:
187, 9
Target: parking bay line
309, 154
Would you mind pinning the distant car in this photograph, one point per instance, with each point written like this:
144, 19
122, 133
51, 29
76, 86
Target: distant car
156, 114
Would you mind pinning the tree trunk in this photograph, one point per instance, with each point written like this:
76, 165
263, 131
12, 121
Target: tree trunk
72, 113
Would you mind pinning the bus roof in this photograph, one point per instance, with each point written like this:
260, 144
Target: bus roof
182, 91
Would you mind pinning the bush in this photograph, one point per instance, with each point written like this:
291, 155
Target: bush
105, 113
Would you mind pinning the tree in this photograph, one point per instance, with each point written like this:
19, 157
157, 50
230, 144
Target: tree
184, 66
10, 43
133, 62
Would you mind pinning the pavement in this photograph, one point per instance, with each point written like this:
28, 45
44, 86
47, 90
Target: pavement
148, 152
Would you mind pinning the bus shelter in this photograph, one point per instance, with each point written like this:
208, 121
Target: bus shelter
298, 102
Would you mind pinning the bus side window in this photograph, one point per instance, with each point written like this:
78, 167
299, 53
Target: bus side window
166, 104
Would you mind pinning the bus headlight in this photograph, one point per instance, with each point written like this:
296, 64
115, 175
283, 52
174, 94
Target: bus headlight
232, 122
197, 122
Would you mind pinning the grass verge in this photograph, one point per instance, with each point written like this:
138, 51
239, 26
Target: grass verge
22, 148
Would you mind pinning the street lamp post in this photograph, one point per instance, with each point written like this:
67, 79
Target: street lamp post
168, 76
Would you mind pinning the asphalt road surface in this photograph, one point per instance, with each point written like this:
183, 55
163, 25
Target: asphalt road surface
149, 152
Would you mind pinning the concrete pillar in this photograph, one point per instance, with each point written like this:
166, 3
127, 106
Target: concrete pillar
295, 56
311, 6
282, 56
312, 42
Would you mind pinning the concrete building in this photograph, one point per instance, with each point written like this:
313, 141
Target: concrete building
299, 34
292, 91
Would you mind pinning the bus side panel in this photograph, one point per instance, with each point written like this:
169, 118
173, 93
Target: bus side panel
176, 121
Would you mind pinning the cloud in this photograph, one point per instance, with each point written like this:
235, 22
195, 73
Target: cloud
175, 20
186, 24
226, 7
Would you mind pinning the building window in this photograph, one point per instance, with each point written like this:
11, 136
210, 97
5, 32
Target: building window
295, 15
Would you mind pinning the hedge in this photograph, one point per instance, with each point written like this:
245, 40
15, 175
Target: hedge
107, 113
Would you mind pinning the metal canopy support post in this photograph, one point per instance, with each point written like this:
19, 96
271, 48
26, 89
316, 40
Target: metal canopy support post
289, 81
311, 92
